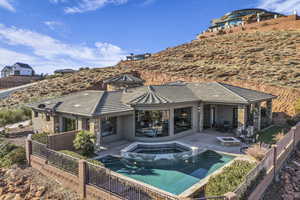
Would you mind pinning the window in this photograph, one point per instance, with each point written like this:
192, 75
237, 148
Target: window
69, 124
182, 119
47, 117
109, 126
152, 123
36, 114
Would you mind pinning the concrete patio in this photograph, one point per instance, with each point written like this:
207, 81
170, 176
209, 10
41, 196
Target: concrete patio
204, 140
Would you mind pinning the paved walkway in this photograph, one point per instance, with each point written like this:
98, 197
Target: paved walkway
6, 92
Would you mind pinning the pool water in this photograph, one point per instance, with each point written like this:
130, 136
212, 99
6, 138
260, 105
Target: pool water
175, 178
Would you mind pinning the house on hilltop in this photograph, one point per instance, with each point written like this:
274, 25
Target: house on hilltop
18, 69
244, 16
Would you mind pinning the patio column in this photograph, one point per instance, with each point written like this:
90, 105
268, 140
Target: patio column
79, 124
269, 111
201, 116
242, 117
96, 129
60, 121
257, 116
171, 122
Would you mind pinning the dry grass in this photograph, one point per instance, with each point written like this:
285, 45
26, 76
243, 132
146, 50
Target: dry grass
278, 136
257, 152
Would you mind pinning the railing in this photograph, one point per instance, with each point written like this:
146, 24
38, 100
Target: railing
105, 179
54, 158
266, 163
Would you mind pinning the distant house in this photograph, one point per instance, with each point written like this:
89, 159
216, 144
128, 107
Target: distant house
64, 71
18, 69
138, 57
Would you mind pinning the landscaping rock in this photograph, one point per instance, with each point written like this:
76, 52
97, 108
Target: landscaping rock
29, 184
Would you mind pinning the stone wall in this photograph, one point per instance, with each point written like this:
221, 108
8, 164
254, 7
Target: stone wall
40, 123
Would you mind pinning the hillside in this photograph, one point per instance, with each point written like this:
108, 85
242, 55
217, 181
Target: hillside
267, 61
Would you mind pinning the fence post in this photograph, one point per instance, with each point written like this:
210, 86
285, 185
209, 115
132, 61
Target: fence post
294, 136
275, 158
82, 178
28, 149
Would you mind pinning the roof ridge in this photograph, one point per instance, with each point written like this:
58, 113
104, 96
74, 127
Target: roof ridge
99, 101
221, 84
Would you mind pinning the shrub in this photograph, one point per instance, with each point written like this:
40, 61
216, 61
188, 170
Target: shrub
256, 151
254, 183
10, 154
40, 137
297, 107
10, 116
84, 142
229, 179
291, 122
76, 155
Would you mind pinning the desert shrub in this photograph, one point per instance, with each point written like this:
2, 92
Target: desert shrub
84, 143
291, 122
14, 115
257, 152
11, 154
40, 137
79, 156
229, 179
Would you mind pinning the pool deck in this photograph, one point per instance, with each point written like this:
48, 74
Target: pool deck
204, 140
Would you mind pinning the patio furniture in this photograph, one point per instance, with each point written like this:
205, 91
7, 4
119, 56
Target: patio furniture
229, 141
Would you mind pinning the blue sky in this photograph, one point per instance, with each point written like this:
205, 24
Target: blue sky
52, 34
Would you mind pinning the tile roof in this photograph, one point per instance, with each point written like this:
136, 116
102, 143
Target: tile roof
124, 78
94, 103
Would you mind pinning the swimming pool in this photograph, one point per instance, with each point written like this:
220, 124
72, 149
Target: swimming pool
173, 178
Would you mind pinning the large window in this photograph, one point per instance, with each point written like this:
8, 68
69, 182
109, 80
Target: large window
152, 123
109, 126
69, 124
182, 119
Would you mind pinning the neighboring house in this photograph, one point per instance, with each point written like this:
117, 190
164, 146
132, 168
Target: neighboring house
18, 69
138, 57
122, 81
153, 113
64, 71
239, 17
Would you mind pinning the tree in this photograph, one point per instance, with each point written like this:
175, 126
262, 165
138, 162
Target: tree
84, 143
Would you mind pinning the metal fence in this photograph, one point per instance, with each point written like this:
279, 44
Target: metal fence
105, 179
54, 158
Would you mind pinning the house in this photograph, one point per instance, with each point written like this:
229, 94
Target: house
154, 113
64, 71
122, 81
18, 69
243, 16
138, 57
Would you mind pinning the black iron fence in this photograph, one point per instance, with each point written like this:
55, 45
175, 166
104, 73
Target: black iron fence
54, 158
105, 179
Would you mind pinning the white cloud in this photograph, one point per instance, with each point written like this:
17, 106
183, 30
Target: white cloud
49, 50
7, 5
53, 24
91, 5
282, 6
